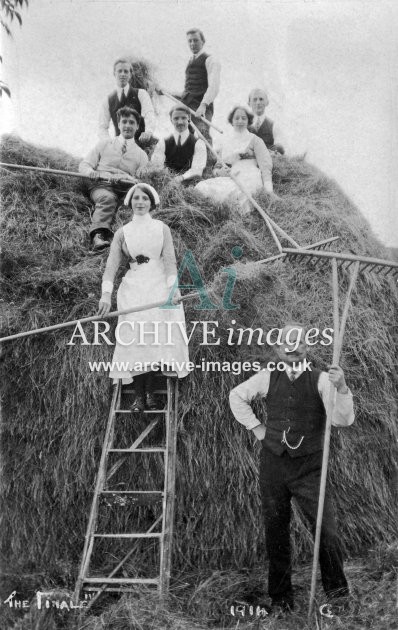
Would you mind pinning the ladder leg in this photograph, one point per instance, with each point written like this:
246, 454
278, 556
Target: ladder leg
169, 487
101, 477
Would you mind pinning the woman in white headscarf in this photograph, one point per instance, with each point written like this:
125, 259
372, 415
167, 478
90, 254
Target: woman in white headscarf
245, 156
148, 336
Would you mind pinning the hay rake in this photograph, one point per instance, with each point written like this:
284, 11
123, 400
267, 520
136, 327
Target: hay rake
377, 265
54, 171
354, 265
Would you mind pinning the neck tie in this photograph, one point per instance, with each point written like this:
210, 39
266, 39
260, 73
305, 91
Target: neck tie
124, 147
291, 375
122, 98
179, 141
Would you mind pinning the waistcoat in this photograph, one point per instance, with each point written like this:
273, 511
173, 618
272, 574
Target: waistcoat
196, 82
131, 100
295, 414
265, 132
179, 159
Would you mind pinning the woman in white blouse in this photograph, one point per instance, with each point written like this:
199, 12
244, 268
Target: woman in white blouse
144, 338
246, 157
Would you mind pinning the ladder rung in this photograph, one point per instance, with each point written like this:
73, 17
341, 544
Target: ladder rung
147, 411
107, 580
131, 491
157, 391
169, 374
90, 589
157, 535
137, 450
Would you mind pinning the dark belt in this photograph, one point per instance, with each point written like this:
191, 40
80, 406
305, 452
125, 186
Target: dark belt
140, 259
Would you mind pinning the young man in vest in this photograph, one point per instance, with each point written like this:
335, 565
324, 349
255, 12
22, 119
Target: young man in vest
112, 160
291, 459
127, 96
202, 81
262, 126
181, 152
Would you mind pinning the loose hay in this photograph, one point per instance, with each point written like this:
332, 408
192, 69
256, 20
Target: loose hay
54, 409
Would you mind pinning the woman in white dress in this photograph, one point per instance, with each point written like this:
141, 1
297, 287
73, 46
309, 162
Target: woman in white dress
151, 336
246, 157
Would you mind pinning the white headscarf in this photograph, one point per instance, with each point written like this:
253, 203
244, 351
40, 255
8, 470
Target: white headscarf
146, 187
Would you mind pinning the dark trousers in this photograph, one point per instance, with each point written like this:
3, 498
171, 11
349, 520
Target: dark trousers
144, 383
282, 478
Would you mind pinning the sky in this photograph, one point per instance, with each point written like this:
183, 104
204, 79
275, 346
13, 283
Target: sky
330, 69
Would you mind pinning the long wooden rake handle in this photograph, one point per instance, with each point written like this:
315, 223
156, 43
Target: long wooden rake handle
337, 346
93, 318
193, 113
272, 226
54, 171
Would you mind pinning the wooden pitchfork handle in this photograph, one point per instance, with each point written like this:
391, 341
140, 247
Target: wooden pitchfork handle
337, 345
193, 113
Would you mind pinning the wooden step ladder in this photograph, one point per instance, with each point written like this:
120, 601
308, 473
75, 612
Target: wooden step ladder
134, 496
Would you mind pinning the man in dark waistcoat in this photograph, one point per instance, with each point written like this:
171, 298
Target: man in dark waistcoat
126, 96
291, 458
181, 152
262, 126
202, 81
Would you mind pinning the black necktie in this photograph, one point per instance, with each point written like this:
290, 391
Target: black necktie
179, 141
122, 99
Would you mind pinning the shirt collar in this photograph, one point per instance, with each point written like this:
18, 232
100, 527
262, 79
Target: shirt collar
199, 53
260, 118
120, 140
184, 135
299, 369
119, 90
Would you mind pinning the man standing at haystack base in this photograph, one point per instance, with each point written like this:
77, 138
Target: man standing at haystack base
113, 160
127, 96
291, 459
202, 81
181, 152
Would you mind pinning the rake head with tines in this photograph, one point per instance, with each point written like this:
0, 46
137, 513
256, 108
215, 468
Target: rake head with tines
319, 245
377, 265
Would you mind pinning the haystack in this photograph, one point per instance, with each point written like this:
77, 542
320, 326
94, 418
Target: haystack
55, 409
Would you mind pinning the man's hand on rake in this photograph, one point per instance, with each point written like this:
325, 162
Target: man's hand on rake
336, 377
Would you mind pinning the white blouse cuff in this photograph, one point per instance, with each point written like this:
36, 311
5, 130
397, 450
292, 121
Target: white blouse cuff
107, 286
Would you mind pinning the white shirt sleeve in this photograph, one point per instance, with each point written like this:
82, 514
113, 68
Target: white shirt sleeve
242, 395
198, 161
90, 163
159, 155
264, 162
147, 111
278, 135
344, 408
213, 68
103, 121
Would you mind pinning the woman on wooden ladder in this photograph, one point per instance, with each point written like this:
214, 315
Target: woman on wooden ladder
144, 338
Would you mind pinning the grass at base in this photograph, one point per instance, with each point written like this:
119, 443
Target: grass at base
199, 602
